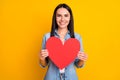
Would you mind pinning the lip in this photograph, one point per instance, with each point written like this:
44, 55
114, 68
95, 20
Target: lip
61, 23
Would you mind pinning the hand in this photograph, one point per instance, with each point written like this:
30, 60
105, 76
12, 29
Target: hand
43, 54
82, 56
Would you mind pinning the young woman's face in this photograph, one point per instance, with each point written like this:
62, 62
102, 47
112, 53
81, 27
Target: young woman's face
62, 18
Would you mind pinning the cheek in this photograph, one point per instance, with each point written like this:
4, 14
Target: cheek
68, 19
57, 19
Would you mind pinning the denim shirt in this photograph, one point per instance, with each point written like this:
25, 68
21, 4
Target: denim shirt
53, 71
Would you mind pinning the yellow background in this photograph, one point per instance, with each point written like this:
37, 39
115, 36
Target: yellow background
24, 22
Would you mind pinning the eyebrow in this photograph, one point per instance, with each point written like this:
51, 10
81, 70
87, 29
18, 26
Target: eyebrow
60, 14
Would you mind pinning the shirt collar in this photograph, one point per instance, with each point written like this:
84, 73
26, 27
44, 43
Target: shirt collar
56, 32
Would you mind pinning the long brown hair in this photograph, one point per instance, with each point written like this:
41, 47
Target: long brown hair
70, 25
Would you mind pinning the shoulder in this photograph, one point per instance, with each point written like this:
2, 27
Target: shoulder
46, 36
77, 36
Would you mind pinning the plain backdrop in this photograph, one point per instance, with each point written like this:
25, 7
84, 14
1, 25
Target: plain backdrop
24, 22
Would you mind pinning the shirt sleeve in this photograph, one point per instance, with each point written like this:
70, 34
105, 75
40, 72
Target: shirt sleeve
44, 47
44, 42
78, 37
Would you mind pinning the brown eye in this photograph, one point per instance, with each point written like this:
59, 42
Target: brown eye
58, 15
66, 15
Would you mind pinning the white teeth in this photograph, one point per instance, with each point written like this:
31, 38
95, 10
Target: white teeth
62, 23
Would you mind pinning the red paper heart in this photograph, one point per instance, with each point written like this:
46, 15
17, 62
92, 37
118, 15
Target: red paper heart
62, 55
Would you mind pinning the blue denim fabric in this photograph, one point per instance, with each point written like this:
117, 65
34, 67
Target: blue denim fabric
62, 76
53, 71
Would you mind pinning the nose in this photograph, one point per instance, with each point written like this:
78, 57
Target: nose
62, 18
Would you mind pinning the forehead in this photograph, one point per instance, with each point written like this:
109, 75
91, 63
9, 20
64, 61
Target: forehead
62, 11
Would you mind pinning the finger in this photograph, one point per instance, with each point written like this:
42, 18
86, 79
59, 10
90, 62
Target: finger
81, 52
81, 55
43, 50
83, 59
44, 54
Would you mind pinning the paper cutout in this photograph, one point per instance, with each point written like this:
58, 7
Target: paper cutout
62, 55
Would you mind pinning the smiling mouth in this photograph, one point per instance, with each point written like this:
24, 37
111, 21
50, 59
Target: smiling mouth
62, 23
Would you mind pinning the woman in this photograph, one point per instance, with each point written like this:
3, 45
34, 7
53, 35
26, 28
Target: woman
62, 28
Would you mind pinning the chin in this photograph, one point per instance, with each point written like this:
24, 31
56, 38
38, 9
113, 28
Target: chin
62, 27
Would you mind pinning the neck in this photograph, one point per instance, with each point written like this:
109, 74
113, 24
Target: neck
62, 31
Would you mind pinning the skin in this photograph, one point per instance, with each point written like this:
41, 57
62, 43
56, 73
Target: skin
62, 19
